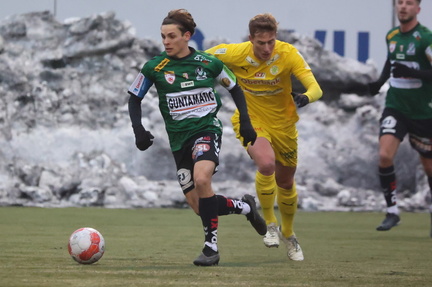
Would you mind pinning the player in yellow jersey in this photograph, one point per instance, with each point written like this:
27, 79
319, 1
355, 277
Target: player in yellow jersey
263, 67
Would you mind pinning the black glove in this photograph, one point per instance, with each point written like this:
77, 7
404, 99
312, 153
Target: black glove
300, 99
143, 138
402, 71
247, 132
374, 88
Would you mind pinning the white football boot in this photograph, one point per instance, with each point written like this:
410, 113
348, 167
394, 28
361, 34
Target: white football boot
294, 250
271, 238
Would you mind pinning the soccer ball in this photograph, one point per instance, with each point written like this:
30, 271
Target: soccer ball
86, 245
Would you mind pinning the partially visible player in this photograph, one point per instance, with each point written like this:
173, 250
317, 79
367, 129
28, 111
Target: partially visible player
408, 106
264, 66
184, 79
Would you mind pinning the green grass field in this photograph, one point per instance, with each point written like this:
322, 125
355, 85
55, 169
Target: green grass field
156, 247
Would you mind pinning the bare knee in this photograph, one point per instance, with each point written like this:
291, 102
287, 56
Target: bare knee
202, 182
266, 168
385, 159
286, 184
285, 176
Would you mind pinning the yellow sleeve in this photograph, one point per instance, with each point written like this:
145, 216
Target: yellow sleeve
211, 50
219, 51
313, 90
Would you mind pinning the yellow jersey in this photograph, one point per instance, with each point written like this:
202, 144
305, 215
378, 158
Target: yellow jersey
267, 84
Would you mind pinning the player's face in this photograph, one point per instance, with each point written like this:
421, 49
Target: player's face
263, 45
175, 43
407, 10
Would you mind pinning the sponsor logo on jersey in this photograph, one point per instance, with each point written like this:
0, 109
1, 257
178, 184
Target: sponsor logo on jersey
195, 103
392, 34
245, 68
400, 56
170, 77
202, 59
138, 82
200, 73
261, 82
162, 64
411, 49
220, 51
274, 70
187, 84
392, 46
274, 58
401, 48
260, 75
251, 61
185, 75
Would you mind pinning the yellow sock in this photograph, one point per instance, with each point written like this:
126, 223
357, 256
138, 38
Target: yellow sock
287, 202
265, 188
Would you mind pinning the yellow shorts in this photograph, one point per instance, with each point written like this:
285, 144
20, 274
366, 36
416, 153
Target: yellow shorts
283, 141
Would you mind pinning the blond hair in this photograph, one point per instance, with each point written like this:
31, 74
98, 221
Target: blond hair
262, 23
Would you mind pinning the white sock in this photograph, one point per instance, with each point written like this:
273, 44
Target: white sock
246, 208
393, 209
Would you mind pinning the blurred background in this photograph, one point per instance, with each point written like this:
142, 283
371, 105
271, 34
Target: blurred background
354, 29
65, 133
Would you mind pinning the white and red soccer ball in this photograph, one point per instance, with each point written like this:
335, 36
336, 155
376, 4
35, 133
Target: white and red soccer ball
86, 245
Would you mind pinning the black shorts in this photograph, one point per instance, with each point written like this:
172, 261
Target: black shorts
202, 146
420, 131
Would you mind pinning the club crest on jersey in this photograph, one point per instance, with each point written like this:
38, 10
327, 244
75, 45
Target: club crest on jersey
170, 77
417, 35
200, 74
392, 46
274, 70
